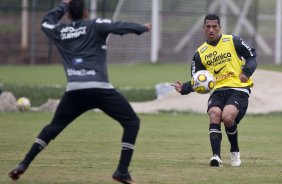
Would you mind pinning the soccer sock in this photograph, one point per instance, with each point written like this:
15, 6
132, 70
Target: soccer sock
215, 138
36, 148
39, 144
127, 148
232, 134
48, 133
126, 155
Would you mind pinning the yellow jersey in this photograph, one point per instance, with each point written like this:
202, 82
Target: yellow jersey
224, 63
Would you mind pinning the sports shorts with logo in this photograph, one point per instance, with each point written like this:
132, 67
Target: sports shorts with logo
225, 97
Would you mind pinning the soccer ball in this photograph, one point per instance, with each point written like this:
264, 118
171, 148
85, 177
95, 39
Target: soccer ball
23, 104
202, 82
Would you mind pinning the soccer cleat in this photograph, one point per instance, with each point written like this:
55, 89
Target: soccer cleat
235, 158
17, 172
122, 178
215, 161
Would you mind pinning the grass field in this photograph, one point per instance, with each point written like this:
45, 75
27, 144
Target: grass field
171, 148
147, 75
135, 76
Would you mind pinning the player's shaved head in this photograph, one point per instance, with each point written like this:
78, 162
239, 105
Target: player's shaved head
212, 17
76, 9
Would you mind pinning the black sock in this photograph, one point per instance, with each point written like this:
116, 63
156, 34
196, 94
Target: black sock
36, 148
125, 157
232, 134
127, 145
48, 133
42, 140
215, 138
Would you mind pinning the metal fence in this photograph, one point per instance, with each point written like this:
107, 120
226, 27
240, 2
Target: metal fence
180, 29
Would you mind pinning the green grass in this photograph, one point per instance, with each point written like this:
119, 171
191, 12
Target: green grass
121, 75
277, 68
171, 149
32, 74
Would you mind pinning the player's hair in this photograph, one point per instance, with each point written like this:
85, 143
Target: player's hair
76, 9
212, 17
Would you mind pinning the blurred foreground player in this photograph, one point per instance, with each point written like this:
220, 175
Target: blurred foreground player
82, 45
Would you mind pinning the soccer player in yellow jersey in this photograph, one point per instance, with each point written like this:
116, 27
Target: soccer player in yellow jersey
232, 61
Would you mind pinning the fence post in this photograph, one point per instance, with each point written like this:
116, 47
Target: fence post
24, 35
32, 50
278, 45
155, 31
93, 9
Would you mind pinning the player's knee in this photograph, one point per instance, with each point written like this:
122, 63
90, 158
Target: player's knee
228, 119
215, 115
135, 123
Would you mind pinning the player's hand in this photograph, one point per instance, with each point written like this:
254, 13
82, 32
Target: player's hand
243, 78
177, 86
148, 26
66, 1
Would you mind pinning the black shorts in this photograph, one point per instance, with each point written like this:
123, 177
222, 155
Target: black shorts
237, 98
74, 103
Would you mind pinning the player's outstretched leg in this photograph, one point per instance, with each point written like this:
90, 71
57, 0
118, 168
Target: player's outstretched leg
122, 174
117, 107
35, 149
48, 133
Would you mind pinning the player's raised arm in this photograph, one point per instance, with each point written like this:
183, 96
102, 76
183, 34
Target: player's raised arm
107, 26
50, 20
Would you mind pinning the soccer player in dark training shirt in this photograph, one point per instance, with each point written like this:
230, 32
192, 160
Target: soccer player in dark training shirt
82, 45
231, 61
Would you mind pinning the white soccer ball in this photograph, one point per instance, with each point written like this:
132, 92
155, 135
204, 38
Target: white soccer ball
202, 82
23, 104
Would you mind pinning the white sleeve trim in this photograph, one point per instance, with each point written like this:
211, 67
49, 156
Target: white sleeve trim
48, 26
